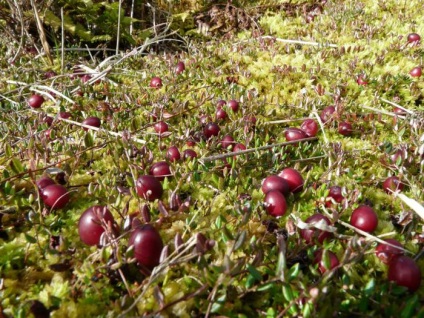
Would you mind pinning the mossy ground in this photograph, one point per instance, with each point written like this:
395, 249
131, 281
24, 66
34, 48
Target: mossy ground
259, 265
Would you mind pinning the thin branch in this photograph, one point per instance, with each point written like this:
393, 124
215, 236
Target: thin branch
396, 105
237, 153
116, 134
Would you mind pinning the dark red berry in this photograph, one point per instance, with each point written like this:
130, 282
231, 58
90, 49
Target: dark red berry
93, 223
149, 187
55, 196
386, 252
35, 101
147, 244
364, 218
275, 203
314, 235
156, 82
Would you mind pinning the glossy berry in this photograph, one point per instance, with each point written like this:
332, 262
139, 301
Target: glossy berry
234, 105
345, 128
416, 72
239, 147
221, 114
92, 224
221, 103
180, 67
320, 260
43, 182
364, 218
334, 195
277, 183
227, 142
92, 121
55, 196
293, 178
149, 187
404, 271
160, 170
310, 127
35, 101
161, 127
189, 154
211, 130
156, 82
361, 80
314, 235
327, 114
386, 252
293, 134
392, 184
413, 38
147, 244
275, 203
65, 115
173, 154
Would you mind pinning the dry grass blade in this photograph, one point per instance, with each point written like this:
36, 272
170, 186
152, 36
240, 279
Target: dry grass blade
41, 32
242, 152
413, 204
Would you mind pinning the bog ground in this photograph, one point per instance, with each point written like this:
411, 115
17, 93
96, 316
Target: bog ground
236, 160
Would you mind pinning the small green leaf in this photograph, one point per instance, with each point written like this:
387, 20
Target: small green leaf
30, 239
294, 271
8, 150
240, 240
254, 272
88, 139
287, 292
16, 166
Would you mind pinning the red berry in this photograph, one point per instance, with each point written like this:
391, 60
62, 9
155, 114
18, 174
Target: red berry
161, 127
310, 127
234, 105
364, 218
189, 154
43, 182
180, 67
227, 142
312, 235
392, 184
55, 196
386, 252
149, 188
413, 38
333, 260
160, 170
405, 272
335, 194
275, 203
327, 113
91, 121
156, 82
35, 101
147, 244
277, 183
91, 224
173, 154
345, 128
221, 114
293, 178
416, 72
211, 130
239, 147
293, 134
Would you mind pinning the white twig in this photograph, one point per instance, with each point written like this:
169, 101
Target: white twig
396, 105
299, 42
116, 134
413, 204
